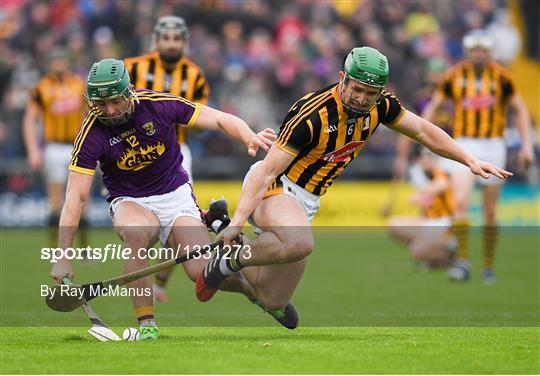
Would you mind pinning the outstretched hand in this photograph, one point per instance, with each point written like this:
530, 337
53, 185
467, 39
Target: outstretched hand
263, 139
484, 169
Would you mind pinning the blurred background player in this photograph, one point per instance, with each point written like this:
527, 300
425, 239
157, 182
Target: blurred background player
481, 91
56, 103
168, 69
426, 236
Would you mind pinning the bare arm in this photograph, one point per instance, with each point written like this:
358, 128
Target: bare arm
404, 143
259, 180
523, 121
31, 139
261, 177
236, 128
440, 143
77, 193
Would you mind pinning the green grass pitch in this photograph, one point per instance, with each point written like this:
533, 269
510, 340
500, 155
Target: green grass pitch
365, 308
271, 350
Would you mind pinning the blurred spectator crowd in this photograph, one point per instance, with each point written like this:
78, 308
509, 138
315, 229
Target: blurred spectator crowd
259, 56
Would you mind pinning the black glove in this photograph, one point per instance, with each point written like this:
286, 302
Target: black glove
217, 217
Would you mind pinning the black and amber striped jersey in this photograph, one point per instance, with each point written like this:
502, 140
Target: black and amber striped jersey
187, 80
324, 139
480, 99
442, 205
62, 106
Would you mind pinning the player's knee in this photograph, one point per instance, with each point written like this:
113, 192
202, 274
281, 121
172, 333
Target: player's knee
300, 249
419, 249
135, 236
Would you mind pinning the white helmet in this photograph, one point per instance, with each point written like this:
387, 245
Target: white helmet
171, 23
478, 38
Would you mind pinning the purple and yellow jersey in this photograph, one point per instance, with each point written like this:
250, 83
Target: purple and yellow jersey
140, 157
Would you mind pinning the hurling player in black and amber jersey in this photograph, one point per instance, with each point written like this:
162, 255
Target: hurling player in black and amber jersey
322, 133
481, 91
57, 103
426, 235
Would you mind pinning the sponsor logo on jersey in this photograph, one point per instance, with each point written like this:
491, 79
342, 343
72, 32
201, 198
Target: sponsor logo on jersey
344, 152
478, 102
134, 160
66, 105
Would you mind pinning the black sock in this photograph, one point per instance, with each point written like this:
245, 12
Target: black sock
233, 264
221, 267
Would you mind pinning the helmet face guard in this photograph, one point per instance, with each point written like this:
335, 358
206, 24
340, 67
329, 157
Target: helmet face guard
108, 80
119, 119
345, 101
365, 66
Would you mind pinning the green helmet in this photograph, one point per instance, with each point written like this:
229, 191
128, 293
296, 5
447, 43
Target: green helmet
108, 79
367, 65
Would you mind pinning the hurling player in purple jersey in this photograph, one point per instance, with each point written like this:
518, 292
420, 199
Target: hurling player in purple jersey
132, 134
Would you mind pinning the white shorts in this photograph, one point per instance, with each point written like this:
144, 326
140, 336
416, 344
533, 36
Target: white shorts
436, 226
186, 162
441, 221
56, 158
166, 207
309, 202
492, 150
